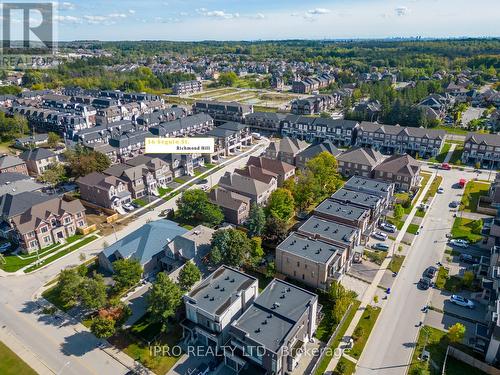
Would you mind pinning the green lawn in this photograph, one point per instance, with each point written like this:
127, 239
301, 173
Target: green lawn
437, 343
140, 202
457, 155
11, 364
134, 342
336, 341
397, 223
420, 213
347, 367
442, 155
473, 191
462, 228
433, 188
396, 263
413, 228
164, 191
179, 180
61, 253
452, 130
445, 282
376, 257
365, 324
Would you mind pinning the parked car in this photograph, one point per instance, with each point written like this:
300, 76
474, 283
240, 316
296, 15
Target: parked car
454, 204
205, 188
128, 207
202, 182
445, 166
380, 236
388, 227
467, 258
380, 246
461, 301
424, 283
440, 190
459, 243
430, 272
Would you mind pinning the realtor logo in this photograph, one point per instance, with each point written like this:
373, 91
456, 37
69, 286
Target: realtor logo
27, 27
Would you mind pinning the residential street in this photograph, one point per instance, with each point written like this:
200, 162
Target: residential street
391, 342
64, 346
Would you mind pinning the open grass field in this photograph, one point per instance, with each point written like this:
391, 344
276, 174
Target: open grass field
473, 191
11, 364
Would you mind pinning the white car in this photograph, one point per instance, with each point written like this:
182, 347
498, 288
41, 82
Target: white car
459, 243
440, 190
388, 227
128, 207
461, 301
380, 236
205, 188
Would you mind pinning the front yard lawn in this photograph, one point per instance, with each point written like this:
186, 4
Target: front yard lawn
11, 364
433, 188
413, 229
444, 151
473, 191
456, 156
140, 202
344, 367
436, 343
136, 340
376, 257
462, 228
396, 263
363, 330
164, 191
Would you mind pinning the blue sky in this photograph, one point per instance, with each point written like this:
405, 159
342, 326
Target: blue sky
274, 19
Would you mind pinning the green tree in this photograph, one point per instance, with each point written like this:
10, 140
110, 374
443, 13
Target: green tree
54, 174
189, 275
324, 168
398, 212
468, 278
164, 299
103, 327
53, 139
281, 204
234, 246
276, 229
127, 273
93, 292
256, 221
69, 286
194, 207
305, 191
456, 332
477, 226
340, 299
82, 161
271, 269
257, 252
227, 79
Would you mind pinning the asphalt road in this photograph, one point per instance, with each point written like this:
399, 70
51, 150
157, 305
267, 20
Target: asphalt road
64, 346
390, 345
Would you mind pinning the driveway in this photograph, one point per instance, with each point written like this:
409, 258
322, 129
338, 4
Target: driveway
443, 322
441, 300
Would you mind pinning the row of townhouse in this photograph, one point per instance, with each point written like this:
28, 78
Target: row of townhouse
310, 84
34, 220
187, 87
483, 149
223, 111
31, 162
388, 139
314, 105
237, 191
322, 249
262, 332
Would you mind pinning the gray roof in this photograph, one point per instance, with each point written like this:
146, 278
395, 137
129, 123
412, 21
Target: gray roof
312, 249
12, 205
400, 164
33, 138
216, 293
243, 184
228, 199
8, 161
359, 183
486, 139
356, 197
37, 154
234, 126
361, 155
328, 229
317, 149
273, 314
145, 242
330, 207
373, 127
16, 183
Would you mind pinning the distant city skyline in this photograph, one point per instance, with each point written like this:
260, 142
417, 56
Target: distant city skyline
189, 20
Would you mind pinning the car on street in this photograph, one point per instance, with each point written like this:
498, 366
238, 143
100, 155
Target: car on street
440, 190
380, 246
430, 272
388, 227
424, 283
380, 236
202, 182
454, 204
445, 166
459, 243
461, 301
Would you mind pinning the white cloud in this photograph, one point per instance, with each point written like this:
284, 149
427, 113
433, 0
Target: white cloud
401, 11
216, 13
68, 19
131, 11
109, 19
318, 11
64, 5
258, 16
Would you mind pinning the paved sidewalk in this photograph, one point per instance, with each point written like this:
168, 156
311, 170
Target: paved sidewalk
373, 288
450, 153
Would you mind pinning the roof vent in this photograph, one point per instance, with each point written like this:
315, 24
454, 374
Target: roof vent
206, 296
212, 299
257, 330
232, 280
226, 278
282, 296
222, 289
264, 322
217, 286
269, 316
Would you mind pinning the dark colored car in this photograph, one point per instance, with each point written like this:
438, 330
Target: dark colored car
202, 182
430, 272
424, 283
